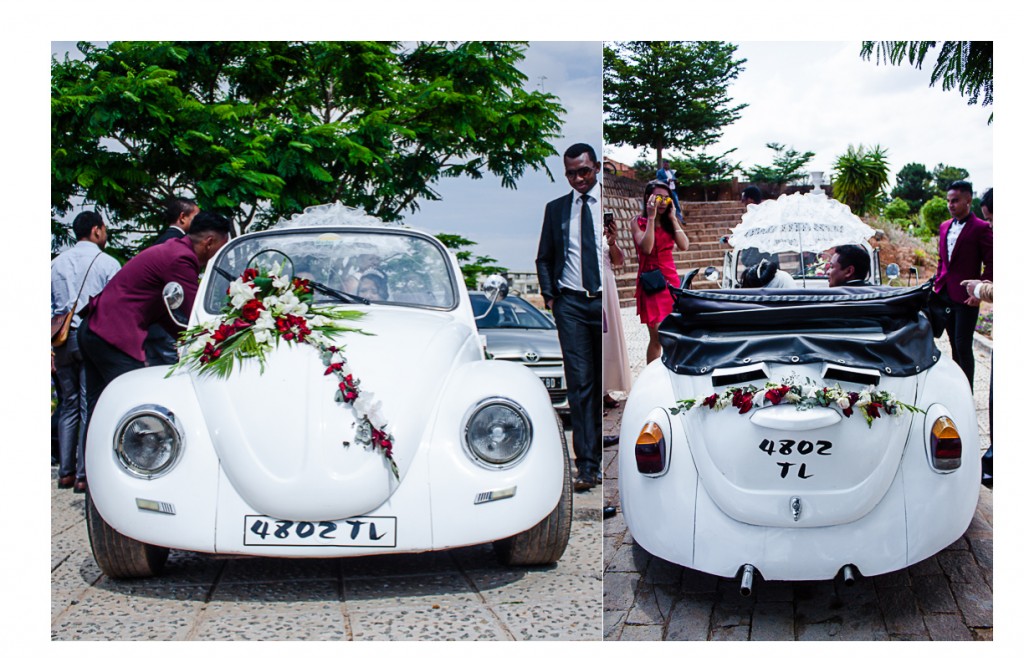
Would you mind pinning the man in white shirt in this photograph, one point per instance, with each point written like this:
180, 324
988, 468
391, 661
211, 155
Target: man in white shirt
76, 275
569, 271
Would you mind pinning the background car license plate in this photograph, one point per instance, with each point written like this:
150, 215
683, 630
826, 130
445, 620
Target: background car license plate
552, 382
352, 532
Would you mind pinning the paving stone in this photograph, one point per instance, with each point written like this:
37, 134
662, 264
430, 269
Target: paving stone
513, 586
619, 590
698, 582
271, 592
690, 619
961, 567
947, 627
824, 631
982, 634
975, 602
109, 615
628, 558
982, 550
566, 620
413, 590
614, 621
429, 563
929, 566
660, 571
900, 612
641, 633
772, 621
892, 579
271, 569
257, 621
933, 594
651, 606
451, 622
730, 620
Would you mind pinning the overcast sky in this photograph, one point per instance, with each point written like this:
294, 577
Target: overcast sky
822, 97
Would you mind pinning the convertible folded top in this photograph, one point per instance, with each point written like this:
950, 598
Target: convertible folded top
882, 328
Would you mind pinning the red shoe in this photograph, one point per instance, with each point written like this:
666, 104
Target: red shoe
65, 482
80, 486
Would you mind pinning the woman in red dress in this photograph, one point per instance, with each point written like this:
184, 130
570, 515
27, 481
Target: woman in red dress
656, 234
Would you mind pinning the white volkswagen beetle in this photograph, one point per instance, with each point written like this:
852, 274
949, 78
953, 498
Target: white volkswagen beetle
799, 434
335, 402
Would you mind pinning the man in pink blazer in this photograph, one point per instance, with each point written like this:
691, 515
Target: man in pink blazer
965, 253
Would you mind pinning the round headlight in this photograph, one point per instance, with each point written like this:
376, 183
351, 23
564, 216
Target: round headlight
498, 433
147, 442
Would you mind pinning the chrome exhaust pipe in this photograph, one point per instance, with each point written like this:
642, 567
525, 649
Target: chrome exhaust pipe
747, 580
848, 576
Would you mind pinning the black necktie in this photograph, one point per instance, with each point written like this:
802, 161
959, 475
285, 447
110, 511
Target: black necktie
588, 247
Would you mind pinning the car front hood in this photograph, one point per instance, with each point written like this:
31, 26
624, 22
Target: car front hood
784, 467
288, 448
517, 343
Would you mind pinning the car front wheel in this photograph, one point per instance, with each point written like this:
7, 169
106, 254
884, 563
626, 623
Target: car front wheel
546, 541
117, 555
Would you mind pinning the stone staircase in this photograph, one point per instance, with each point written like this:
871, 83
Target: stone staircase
706, 223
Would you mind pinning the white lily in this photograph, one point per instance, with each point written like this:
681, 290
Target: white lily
758, 400
240, 293
792, 397
370, 408
843, 402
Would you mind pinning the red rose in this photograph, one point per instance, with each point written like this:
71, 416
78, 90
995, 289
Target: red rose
745, 401
249, 275
334, 367
301, 285
710, 400
775, 395
854, 397
251, 310
872, 409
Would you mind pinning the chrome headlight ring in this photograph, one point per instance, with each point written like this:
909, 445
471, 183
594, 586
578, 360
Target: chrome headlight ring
148, 441
497, 433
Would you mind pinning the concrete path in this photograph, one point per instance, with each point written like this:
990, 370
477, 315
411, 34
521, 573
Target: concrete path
946, 597
462, 594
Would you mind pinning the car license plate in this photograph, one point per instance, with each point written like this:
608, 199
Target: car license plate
552, 382
351, 532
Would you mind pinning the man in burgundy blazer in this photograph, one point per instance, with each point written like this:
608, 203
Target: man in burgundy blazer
965, 253
116, 321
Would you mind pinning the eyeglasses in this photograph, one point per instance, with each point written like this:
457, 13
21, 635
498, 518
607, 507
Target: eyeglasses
579, 172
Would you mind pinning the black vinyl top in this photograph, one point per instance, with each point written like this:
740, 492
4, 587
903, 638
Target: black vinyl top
877, 327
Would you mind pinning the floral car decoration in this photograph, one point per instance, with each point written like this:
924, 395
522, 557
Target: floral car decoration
871, 403
266, 307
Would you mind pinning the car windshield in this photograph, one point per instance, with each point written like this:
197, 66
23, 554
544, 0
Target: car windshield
511, 313
345, 265
812, 267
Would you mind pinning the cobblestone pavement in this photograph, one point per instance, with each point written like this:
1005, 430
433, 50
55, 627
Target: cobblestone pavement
946, 597
450, 595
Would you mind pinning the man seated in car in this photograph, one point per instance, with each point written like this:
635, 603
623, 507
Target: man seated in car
849, 266
766, 274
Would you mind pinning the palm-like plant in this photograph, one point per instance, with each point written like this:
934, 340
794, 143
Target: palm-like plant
861, 175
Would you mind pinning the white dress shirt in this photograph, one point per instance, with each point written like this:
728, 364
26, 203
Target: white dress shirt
952, 233
572, 273
67, 271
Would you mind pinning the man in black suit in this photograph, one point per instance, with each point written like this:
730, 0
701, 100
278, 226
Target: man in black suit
569, 271
159, 345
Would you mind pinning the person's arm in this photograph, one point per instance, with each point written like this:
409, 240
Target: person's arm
614, 252
643, 239
678, 235
546, 258
977, 291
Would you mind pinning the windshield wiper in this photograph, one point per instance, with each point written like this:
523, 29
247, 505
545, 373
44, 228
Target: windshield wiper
337, 294
319, 287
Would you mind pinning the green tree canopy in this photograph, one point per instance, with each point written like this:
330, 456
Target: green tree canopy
473, 266
261, 130
668, 94
786, 167
861, 176
944, 175
913, 185
705, 170
964, 65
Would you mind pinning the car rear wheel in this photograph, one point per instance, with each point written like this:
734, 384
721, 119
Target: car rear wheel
546, 541
117, 555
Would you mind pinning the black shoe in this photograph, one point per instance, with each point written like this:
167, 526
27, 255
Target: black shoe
610, 440
65, 482
80, 486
